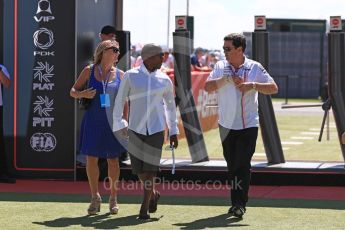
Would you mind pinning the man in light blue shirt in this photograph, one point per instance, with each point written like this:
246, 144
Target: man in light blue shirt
4, 174
238, 81
152, 107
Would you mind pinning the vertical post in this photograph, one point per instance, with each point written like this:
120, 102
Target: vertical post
187, 7
286, 89
1, 31
268, 124
168, 26
123, 37
184, 97
119, 14
336, 81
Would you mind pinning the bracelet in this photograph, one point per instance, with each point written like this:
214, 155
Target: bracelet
254, 85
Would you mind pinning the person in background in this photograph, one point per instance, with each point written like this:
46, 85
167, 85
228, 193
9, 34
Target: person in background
97, 139
4, 171
107, 33
238, 81
195, 60
133, 56
168, 61
152, 107
138, 61
211, 60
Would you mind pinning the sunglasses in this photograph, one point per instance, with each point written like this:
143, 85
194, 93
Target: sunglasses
115, 50
227, 49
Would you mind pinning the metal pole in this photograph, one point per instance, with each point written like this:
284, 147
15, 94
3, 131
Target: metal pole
168, 26
327, 125
286, 89
119, 15
187, 7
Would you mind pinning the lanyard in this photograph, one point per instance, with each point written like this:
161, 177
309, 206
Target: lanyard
233, 72
104, 84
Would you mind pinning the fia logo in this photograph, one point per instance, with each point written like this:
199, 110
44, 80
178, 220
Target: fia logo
43, 12
43, 142
43, 38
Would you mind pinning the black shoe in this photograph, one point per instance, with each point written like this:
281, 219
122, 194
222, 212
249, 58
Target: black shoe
4, 178
143, 216
239, 212
231, 210
124, 157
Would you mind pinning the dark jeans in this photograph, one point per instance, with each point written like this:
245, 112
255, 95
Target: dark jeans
238, 150
3, 157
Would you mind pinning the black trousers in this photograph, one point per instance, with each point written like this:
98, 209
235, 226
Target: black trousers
3, 157
238, 150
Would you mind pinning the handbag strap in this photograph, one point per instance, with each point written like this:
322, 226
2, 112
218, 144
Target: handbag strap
92, 67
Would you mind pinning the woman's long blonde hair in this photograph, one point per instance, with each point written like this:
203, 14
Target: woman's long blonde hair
97, 56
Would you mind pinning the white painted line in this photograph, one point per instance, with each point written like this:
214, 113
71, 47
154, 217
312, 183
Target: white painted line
291, 143
260, 154
302, 138
314, 129
310, 133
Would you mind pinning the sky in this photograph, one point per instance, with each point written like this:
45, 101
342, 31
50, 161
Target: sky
147, 20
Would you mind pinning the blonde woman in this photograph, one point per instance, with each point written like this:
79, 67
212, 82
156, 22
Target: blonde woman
96, 136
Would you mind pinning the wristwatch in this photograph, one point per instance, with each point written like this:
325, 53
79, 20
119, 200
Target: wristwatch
254, 85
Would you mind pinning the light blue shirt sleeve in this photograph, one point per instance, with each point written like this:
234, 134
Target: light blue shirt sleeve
262, 76
217, 71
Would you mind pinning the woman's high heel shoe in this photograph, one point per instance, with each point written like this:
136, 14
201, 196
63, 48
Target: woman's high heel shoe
113, 207
95, 205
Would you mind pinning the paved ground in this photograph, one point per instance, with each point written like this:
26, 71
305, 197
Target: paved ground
298, 111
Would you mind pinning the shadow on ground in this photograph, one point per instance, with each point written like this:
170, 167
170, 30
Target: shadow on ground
220, 221
96, 221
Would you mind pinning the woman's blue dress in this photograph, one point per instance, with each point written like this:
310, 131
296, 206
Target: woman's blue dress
96, 136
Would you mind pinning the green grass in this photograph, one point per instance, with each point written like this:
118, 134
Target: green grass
289, 126
44, 211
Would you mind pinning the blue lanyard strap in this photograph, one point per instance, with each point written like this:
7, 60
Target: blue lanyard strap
104, 84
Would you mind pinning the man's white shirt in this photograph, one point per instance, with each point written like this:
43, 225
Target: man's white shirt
237, 110
152, 103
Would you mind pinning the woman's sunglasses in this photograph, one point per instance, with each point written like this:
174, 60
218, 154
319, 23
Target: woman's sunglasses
115, 50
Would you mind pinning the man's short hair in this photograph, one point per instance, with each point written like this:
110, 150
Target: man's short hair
108, 29
238, 40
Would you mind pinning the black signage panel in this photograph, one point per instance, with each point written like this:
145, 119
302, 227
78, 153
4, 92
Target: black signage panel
44, 124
